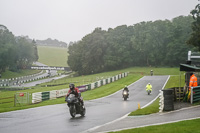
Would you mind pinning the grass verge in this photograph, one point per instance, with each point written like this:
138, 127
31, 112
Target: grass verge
152, 108
189, 126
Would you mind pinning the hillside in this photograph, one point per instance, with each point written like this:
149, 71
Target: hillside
53, 56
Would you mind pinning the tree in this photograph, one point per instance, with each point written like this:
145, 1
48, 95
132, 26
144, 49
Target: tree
26, 53
195, 35
177, 48
35, 50
158, 43
7, 50
119, 48
15, 52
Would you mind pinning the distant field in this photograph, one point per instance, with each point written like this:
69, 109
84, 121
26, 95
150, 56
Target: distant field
53, 56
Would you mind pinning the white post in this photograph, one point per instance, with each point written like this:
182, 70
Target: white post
189, 55
191, 95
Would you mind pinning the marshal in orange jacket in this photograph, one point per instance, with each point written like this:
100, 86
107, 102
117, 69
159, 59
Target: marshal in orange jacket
193, 81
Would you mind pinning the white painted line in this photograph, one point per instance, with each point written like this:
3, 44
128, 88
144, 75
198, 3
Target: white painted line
151, 125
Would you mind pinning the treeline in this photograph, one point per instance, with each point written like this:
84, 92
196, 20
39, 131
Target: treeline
51, 42
158, 43
15, 52
48, 42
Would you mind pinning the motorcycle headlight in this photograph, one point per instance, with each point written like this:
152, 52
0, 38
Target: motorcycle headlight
125, 92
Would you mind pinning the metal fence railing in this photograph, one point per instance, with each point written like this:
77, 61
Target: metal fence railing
195, 94
5, 100
21, 98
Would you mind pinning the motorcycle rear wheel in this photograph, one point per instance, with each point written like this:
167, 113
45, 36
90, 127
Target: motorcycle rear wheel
149, 92
83, 112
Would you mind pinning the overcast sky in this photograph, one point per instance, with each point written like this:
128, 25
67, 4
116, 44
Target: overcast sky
71, 20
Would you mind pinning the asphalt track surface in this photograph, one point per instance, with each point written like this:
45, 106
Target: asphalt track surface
130, 122
56, 118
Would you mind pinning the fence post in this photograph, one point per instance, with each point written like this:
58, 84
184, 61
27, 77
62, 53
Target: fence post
28, 100
191, 95
14, 99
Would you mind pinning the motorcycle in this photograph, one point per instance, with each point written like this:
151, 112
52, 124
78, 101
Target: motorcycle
148, 92
75, 106
125, 94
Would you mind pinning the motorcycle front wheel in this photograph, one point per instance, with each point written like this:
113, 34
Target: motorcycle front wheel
125, 98
72, 110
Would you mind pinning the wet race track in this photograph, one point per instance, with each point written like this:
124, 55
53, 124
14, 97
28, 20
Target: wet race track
56, 118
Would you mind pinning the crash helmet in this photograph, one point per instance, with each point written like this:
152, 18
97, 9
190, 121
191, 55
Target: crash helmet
71, 86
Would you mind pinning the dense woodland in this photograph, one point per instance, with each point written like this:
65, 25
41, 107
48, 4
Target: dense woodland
15, 52
158, 43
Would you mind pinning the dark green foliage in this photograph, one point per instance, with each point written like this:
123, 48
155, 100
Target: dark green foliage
159, 43
15, 52
195, 35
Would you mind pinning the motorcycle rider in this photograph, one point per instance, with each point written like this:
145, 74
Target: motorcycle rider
149, 87
76, 92
151, 72
125, 89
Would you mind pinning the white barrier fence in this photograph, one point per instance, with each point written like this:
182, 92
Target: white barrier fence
41, 96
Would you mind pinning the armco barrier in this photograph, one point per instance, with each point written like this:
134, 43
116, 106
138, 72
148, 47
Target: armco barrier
45, 95
92, 85
52, 94
37, 97
42, 96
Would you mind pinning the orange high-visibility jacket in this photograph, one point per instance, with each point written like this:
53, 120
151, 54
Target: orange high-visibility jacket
193, 81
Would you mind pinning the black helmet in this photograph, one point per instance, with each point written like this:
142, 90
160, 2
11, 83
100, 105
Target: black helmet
71, 86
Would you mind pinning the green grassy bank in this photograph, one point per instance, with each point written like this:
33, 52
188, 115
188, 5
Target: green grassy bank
53, 56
